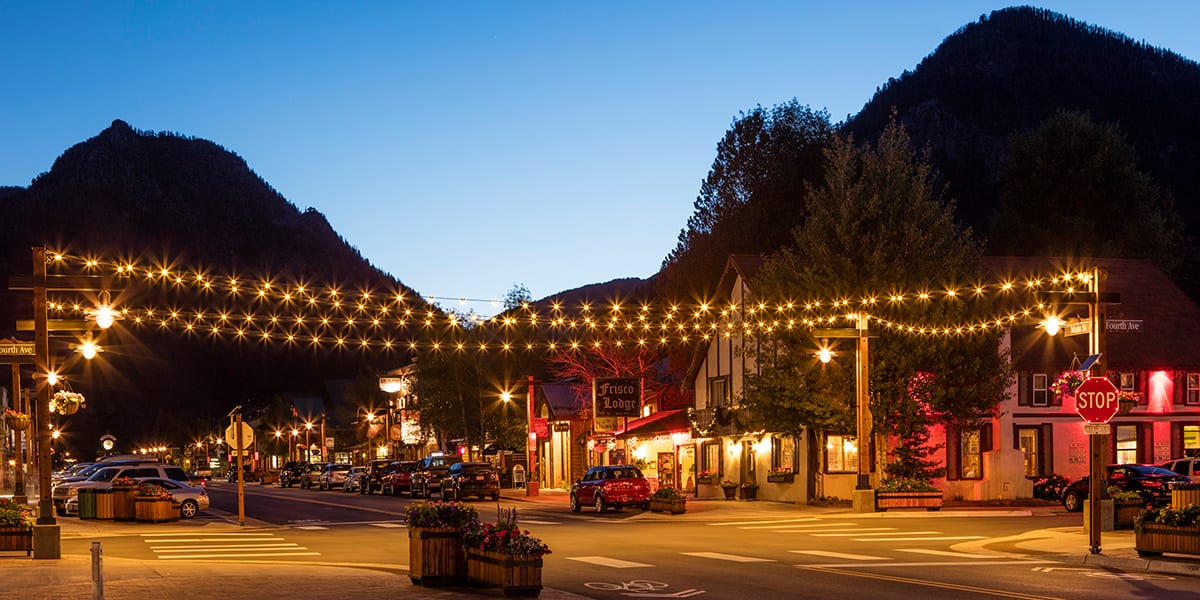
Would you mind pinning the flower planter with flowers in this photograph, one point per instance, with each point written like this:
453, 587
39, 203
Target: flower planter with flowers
907, 493
17, 421
781, 475
1127, 506
749, 490
124, 508
503, 556
1168, 529
16, 526
67, 403
152, 504
1067, 383
1183, 494
435, 542
730, 489
707, 478
668, 500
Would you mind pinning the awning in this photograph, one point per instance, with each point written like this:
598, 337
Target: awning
663, 422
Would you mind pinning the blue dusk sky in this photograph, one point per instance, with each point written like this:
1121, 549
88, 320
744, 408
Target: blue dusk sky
465, 147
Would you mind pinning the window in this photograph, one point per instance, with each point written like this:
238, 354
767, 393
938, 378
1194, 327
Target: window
1029, 444
970, 455
1041, 389
1192, 395
717, 395
841, 453
710, 458
1191, 440
783, 453
1127, 444
1127, 382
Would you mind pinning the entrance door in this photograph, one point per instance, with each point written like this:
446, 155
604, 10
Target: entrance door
687, 467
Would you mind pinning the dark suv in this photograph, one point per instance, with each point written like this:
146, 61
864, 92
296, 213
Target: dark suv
289, 475
471, 479
1152, 482
374, 479
427, 475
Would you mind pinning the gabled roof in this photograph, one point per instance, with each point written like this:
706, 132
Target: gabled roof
564, 403
745, 266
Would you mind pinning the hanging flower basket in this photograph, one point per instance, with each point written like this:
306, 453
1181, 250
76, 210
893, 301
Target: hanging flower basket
1126, 401
67, 403
1068, 382
15, 420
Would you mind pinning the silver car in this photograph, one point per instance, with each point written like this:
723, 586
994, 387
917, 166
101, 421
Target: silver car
191, 498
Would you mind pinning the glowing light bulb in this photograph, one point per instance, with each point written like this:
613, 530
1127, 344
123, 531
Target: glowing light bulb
1052, 324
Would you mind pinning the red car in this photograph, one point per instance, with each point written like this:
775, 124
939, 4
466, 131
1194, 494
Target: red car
397, 478
611, 486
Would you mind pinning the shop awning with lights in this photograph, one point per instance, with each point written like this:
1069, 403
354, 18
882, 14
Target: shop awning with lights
664, 422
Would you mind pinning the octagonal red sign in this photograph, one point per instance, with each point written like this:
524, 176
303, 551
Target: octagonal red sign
1096, 400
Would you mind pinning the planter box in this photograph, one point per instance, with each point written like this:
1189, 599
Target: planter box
153, 511
1183, 498
707, 481
927, 500
782, 478
516, 576
1125, 513
1152, 539
435, 556
675, 506
104, 504
123, 509
16, 538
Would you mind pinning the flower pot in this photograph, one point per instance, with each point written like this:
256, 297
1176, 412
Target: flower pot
749, 493
730, 493
931, 501
68, 408
152, 510
123, 507
17, 422
16, 538
1152, 539
781, 478
516, 576
435, 556
1126, 511
674, 506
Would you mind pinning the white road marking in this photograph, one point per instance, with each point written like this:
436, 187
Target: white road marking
311, 527
947, 553
888, 565
736, 523
842, 531
256, 555
533, 522
387, 525
228, 547
839, 555
212, 539
728, 557
859, 532
786, 527
605, 561
944, 538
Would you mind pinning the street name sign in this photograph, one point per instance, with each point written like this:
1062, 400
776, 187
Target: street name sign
1096, 400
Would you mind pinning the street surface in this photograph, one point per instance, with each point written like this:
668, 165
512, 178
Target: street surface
775, 551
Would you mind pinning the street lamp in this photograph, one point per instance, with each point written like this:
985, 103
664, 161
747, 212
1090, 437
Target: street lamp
864, 500
531, 482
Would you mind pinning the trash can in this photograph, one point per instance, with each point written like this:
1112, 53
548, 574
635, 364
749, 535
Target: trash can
104, 504
87, 504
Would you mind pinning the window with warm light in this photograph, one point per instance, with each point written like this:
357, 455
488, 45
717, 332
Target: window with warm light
1028, 440
1189, 436
1127, 444
783, 453
710, 458
1041, 390
970, 455
1127, 382
841, 453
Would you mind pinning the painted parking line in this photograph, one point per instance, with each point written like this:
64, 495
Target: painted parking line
728, 557
311, 527
388, 525
943, 538
605, 561
860, 532
841, 555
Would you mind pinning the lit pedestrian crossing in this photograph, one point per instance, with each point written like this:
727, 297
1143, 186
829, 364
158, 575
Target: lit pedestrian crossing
193, 546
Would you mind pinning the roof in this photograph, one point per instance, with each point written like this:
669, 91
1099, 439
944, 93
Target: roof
664, 422
563, 401
745, 266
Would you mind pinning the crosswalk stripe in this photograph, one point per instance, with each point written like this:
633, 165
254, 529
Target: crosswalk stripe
311, 527
225, 547
265, 538
604, 561
728, 557
844, 555
533, 522
944, 538
255, 555
736, 523
784, 527
932, 552
209, 533
840, 530
860, 532
387, 525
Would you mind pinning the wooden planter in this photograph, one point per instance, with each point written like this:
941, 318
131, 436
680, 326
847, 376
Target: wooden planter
730, 493
68, 408
1152, 539
675, 506
104, 504
123, 509
707, 481
1125, 512
782, 478
16, 538
749, 493
152, 510
516, 576
17, 422
927, 500
435, 556
1181, 498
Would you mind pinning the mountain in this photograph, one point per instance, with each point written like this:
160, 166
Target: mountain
1013, 69
189, 203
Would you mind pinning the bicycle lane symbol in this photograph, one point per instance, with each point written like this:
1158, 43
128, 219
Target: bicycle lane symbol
642, 588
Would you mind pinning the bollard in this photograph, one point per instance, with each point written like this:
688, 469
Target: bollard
97, 573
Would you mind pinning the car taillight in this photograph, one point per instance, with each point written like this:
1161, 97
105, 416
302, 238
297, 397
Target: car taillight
1152, 483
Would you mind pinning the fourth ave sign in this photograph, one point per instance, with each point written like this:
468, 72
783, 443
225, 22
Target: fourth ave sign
1096, 400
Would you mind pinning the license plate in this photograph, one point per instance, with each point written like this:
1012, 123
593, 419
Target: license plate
478, 478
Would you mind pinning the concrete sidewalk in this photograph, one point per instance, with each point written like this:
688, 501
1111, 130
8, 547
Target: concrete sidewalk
71, 576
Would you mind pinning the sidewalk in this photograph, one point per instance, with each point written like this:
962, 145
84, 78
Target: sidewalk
70, 577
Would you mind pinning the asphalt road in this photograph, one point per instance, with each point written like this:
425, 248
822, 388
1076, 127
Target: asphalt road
631, 554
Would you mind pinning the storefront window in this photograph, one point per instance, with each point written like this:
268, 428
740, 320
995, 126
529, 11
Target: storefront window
710, 458
971, 455
783, 453
841, 453
1127, 444
1027, 439
1191, 439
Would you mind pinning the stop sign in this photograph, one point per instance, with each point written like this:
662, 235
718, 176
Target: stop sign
1096, 400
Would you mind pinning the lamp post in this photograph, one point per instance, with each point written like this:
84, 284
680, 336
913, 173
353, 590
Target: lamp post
864, 496
307, 445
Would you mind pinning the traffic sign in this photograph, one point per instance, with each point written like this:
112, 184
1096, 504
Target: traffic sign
1096, 400
247, 436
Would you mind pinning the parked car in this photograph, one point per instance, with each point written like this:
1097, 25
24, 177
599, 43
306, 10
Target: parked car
333, 475
375, 473
398, 478
289, 474
89, 471
247, 468
1152, 482
471, 479
355, 479
70, 471
191, 498
613, 486
427, 475
309, 475
1188, 467
102, 479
